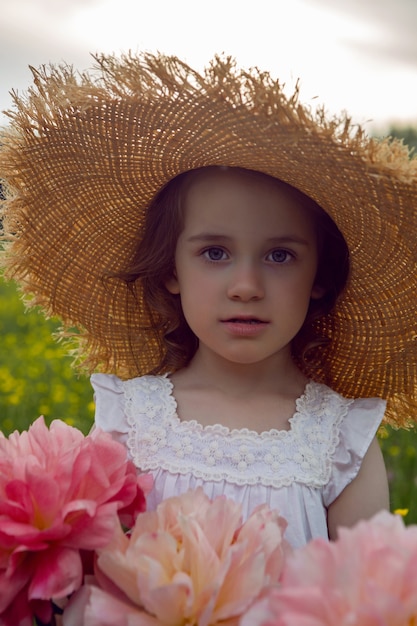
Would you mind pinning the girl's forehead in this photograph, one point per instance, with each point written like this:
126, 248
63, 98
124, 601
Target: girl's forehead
230, 201
230, 186
238, 176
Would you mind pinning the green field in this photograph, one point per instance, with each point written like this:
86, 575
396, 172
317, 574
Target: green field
36, 378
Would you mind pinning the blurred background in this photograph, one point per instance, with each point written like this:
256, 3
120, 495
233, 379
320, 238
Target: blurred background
358, 56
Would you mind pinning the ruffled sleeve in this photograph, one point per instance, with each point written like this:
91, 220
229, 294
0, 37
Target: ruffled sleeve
357, 431
109, 400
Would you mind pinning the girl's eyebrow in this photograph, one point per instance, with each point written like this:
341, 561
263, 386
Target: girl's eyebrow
284, 239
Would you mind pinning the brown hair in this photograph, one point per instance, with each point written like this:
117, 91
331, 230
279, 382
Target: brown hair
153, 265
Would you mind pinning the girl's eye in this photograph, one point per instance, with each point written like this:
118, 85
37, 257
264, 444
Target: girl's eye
279, 256
215, 254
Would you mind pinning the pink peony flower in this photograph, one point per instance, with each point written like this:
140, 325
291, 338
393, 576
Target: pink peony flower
191, 561
368, 577
60, 497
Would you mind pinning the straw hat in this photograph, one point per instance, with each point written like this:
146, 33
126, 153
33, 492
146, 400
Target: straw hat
85, 154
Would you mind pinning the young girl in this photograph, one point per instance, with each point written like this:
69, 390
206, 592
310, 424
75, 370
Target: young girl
239, 270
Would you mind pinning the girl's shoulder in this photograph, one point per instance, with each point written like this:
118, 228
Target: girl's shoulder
354, 429
112, 395
353, 421
321, 401
346, 426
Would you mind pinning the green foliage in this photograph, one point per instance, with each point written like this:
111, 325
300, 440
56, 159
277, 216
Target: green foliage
399, 448
36, 378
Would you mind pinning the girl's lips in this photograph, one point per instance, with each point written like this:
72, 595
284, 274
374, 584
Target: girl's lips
245, 327
247, 319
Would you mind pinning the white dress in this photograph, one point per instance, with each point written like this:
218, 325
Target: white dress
300, 472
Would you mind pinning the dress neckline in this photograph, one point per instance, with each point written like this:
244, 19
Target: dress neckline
300, 404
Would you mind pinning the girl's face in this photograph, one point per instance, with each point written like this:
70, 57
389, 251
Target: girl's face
245, 266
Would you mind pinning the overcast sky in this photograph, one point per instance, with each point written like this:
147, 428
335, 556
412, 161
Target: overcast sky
354, 55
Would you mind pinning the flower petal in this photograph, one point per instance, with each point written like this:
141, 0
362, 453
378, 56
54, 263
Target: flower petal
57, 574
91, 606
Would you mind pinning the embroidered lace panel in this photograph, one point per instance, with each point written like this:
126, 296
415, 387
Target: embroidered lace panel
158, 439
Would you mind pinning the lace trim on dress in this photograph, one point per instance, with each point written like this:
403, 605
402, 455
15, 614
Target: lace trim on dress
158, 439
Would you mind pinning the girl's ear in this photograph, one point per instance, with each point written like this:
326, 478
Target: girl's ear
172, 284
317, 292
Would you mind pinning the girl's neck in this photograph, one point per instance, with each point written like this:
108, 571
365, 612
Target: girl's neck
277, 375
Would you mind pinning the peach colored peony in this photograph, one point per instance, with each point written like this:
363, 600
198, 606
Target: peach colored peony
368, 577
191, 561
61, 495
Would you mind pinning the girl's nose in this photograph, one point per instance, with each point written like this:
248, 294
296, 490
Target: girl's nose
245, 284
